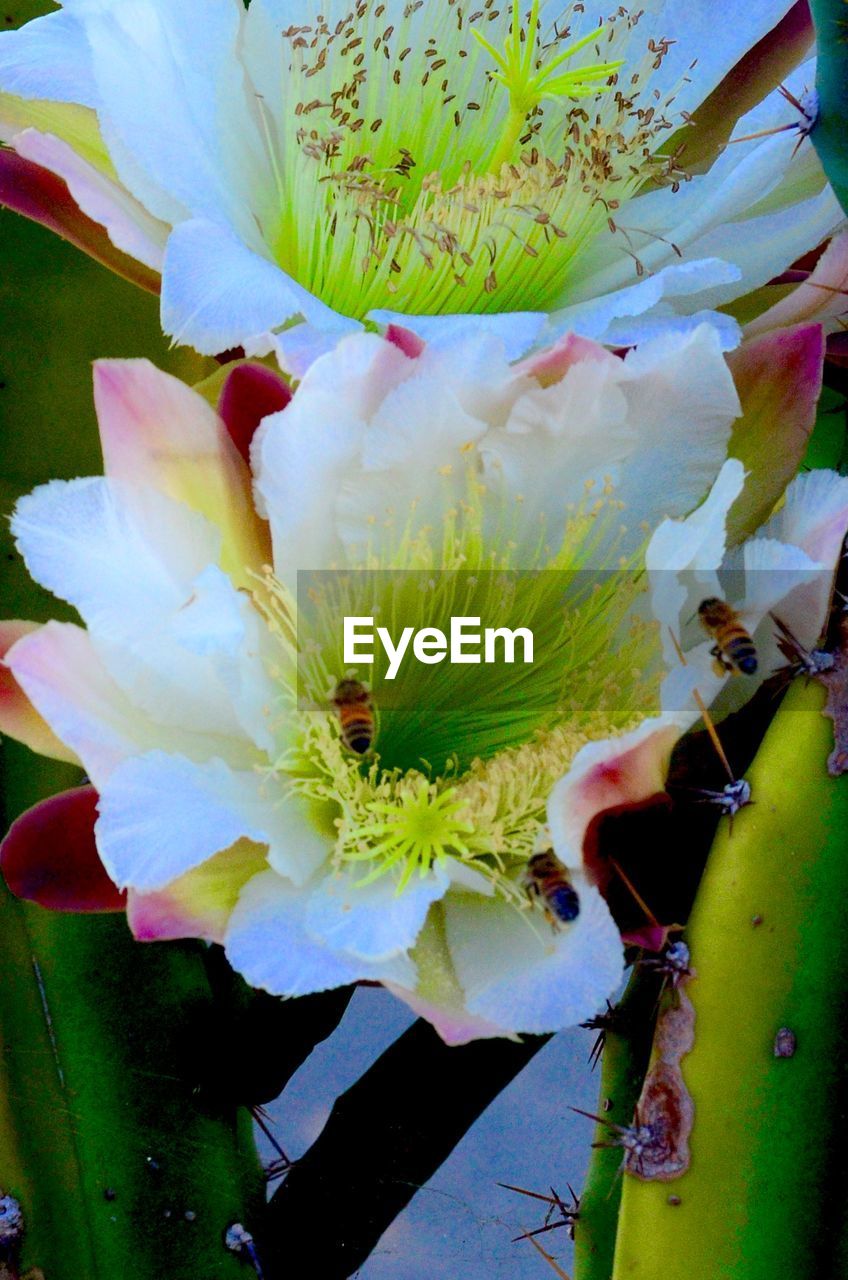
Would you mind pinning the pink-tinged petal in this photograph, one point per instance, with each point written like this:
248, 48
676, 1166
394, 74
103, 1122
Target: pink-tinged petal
760, 71
49, 856
250, 393
199, 903
101, 197
814, 518
38, 194
778, 377
652, 937
63, 675
552, 364
405, 340
608, 775
823, 296
157, 431
18, 717
455, 1026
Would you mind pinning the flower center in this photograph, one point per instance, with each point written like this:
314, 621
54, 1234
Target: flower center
460, 170
462, 757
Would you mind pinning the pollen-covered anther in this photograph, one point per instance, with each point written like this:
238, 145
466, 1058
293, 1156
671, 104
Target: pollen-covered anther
438, 218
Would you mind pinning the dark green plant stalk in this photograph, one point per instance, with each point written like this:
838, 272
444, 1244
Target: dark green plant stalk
828, 136
624, 1061
123, 1161
769, 948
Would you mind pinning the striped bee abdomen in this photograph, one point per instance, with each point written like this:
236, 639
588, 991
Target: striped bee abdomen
741, 650
548, 879
564, 902
356, 716
734, 649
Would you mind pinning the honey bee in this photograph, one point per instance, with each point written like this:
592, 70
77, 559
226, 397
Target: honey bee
734, 650
548, 879
356, 716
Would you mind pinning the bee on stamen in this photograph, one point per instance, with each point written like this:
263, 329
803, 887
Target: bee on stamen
356, 716
734, 651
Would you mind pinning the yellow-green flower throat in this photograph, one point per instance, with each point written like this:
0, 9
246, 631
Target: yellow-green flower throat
453, 160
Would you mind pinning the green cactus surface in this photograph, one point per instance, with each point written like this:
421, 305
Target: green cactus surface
828, 135
121, 1163
769, 950
627, 1047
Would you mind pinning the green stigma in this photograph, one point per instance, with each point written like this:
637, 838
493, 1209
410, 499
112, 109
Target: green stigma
448, 161
420, 827
529, 79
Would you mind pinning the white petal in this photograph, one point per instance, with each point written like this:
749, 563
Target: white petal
556, 439
662, 320
299, 838
130, 560
698, 30
677, 694
66, 678
763, 247
455, 1025
217, 293
595, 316
463, 877
372, 922
268, 943
519, 973
683, 557
299, 346
411, 468
478, 369
172, 91
221, 625
48, 58
188, 648
105, 547
772, 571
656, 424
758, 208
681, 402
813, 515
518, 330
303, 455
162, 815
